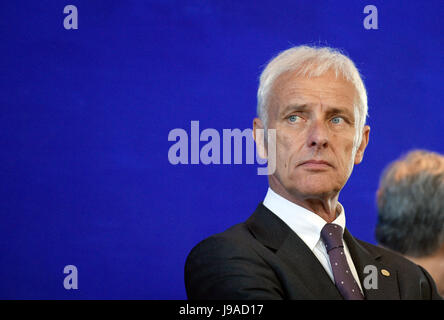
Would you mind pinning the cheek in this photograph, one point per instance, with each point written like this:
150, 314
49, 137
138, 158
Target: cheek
285, 145
348, 156
282, 151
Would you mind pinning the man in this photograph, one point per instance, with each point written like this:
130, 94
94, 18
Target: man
411, 211
295, 245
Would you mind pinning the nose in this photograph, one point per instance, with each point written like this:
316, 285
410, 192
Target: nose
318, 135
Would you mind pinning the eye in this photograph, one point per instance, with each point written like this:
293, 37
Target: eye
337, 120
293, 118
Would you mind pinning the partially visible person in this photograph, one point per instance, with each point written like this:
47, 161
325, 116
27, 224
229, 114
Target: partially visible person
410, 202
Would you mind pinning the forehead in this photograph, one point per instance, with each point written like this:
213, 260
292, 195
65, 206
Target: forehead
327, 89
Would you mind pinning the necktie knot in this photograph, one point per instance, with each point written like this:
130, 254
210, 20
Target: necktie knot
331, 234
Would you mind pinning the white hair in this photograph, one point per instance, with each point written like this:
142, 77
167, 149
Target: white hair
312, 62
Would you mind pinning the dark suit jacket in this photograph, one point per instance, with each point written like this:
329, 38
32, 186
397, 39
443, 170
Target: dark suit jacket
264, 259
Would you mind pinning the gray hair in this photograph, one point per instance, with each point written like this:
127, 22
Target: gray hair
410, 203
311, 62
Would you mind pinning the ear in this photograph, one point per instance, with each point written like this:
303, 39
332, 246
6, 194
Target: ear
364, 142
378, 194
258, 136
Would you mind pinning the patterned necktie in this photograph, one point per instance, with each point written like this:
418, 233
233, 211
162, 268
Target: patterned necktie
345, 282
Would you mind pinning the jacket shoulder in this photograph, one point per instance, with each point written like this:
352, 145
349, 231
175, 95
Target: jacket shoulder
228, 265
224, 244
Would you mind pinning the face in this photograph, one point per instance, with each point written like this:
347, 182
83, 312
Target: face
315, 126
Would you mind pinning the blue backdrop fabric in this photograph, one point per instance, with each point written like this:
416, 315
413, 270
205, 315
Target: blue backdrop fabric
86, 113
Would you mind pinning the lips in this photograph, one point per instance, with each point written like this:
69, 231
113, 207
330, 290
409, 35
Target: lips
316, 164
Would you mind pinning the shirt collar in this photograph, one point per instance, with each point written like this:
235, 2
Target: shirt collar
305, 223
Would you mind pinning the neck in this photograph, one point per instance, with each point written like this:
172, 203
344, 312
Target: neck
434, 264
323, 205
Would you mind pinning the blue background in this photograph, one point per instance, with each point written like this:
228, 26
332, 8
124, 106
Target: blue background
85, 116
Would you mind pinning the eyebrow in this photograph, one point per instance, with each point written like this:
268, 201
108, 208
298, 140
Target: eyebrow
294, 107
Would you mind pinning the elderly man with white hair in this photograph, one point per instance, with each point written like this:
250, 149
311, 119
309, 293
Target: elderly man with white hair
295, 245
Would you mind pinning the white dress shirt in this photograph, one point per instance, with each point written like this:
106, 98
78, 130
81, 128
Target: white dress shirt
308, 226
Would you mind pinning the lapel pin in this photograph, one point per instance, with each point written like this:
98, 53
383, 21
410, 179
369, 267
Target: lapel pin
385, 272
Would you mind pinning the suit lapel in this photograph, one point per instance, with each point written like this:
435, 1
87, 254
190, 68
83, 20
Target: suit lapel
276, 235
295, 253
386, 285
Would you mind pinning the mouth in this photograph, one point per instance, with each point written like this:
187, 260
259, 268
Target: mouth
316, 165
